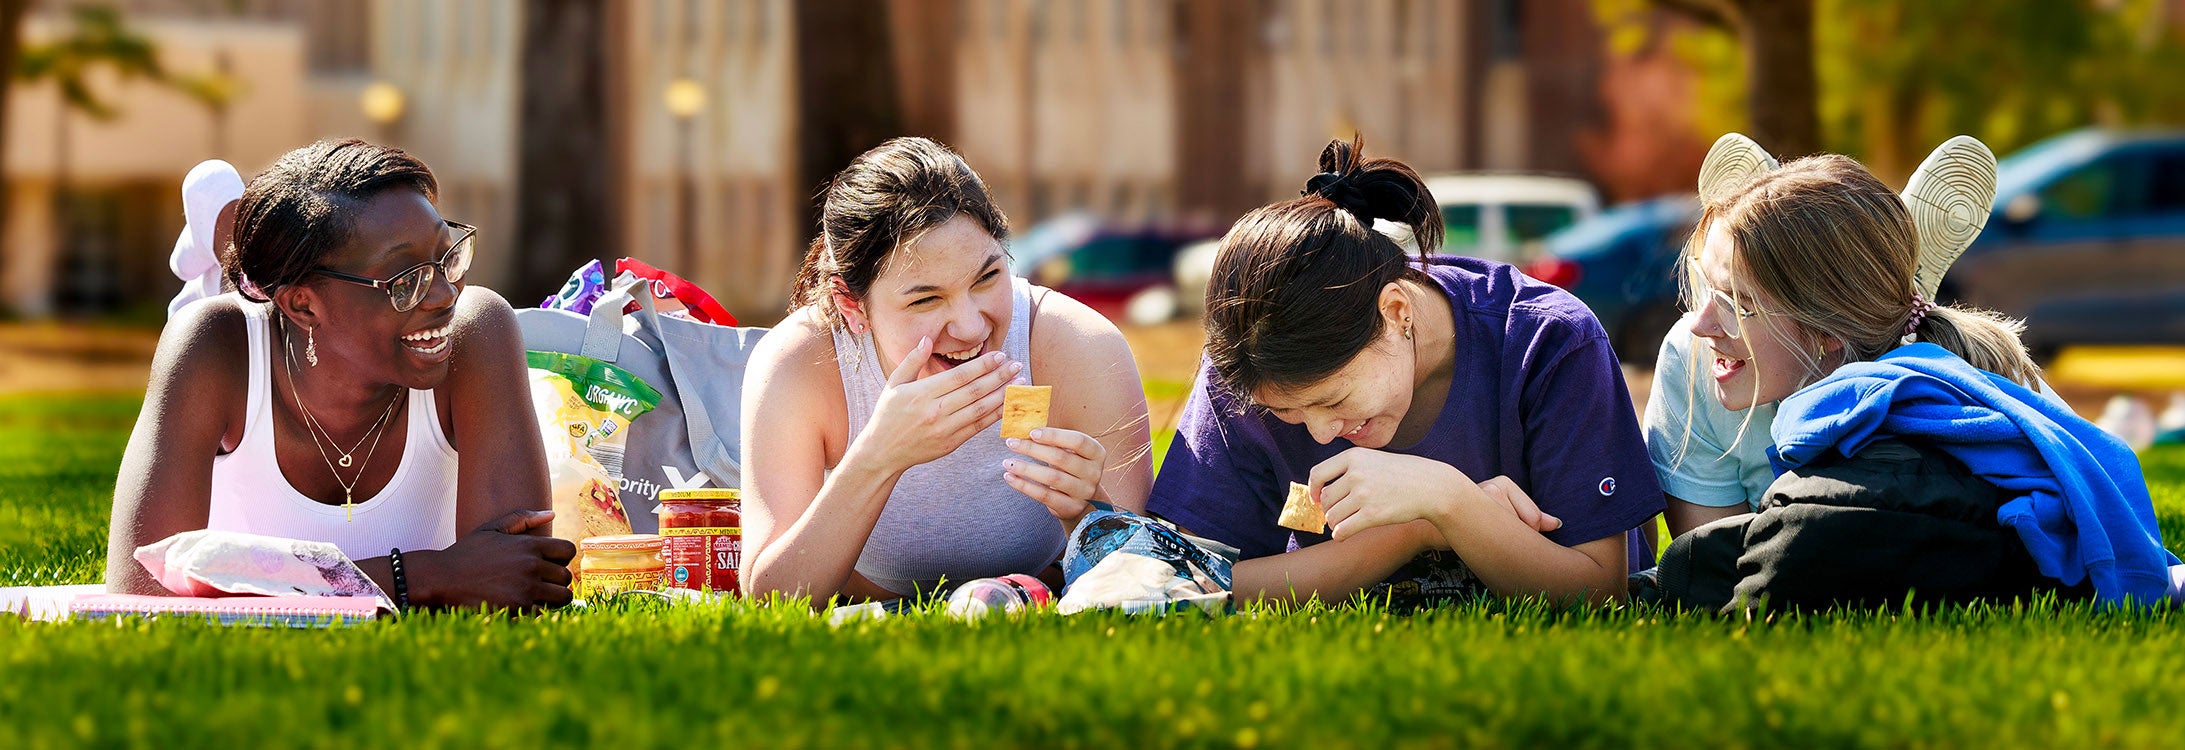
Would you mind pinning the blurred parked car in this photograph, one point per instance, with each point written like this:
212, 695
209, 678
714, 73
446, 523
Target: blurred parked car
1622, 264
1502, 217
2087, 241
1124, 273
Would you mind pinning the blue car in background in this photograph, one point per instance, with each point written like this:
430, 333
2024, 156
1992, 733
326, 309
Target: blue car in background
2086, 243
1622, 264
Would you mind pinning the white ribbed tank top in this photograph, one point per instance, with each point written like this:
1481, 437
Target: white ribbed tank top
415, 511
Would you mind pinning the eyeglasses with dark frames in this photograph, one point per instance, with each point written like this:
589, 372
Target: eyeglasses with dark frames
408, 287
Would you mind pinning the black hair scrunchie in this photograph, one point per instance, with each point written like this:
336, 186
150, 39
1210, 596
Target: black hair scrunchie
1343, 192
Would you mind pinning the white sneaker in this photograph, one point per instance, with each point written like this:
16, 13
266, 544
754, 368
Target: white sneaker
1949, 197
1732, 162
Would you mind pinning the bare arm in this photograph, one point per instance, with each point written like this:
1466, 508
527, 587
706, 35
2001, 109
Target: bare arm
1332, 570
1684, 515
1096, 392
165, 487
1515, 559
501, 464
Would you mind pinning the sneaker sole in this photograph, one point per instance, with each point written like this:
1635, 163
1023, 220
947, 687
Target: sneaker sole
1732, 162
1949, 197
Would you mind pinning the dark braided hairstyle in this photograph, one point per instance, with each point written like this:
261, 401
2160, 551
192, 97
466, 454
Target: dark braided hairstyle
300, 209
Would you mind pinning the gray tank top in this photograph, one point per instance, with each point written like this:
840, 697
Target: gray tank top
952, 517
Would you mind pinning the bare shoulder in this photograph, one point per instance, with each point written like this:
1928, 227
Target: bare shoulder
200, 377
1068, 336
488, 362
796, 361
206, 345
793, 387
482, 316
488, 346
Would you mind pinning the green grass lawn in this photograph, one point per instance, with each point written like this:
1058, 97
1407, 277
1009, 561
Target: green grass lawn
730, 674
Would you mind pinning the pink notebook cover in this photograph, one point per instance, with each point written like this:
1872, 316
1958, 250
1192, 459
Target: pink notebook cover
288, 611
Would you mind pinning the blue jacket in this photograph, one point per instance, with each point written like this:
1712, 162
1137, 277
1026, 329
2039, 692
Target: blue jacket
2078, 501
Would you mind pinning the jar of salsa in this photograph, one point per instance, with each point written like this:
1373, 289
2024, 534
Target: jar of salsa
704, 532
615, 564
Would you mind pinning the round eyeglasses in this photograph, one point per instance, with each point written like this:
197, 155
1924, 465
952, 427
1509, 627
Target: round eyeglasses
408, 287
1729, 313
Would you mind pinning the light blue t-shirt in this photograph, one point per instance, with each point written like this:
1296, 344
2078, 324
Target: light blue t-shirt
1695, 469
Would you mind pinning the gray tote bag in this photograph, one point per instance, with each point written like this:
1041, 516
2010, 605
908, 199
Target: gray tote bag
690, 439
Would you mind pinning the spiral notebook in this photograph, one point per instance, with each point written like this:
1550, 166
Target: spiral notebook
260, 611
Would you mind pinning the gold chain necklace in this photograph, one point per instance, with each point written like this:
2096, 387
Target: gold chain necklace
313, 428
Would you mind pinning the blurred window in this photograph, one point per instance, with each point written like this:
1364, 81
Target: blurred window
1460, 226
1532, 221
2089, 193
2166, 184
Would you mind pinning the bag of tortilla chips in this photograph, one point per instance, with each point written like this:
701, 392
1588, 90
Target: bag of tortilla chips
584, 407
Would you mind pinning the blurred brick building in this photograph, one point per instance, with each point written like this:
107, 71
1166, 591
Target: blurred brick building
1135, 110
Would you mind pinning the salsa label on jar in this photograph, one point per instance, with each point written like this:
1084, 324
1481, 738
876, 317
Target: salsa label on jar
704, 558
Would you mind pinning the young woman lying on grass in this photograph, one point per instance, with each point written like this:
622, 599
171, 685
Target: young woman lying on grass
1430, 404
876, 466
1914, 456
1713, 461
327, 399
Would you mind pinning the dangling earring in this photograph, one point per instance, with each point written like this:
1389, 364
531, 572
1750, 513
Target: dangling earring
1407, 329
311, 346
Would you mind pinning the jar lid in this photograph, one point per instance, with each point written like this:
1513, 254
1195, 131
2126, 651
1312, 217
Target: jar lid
623, 542
702, 493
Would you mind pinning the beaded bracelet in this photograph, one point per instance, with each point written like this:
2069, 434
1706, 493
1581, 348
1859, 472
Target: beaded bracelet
402, 582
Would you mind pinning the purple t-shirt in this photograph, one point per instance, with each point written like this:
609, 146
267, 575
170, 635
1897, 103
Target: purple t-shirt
1537, 395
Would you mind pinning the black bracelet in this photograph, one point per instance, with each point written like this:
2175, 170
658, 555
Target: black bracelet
402, 582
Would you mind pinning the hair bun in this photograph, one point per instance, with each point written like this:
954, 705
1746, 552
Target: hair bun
1376, 189
1343, 191
1367, 194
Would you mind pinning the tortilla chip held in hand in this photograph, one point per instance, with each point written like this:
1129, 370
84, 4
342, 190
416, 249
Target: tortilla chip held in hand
1024, 409
1301, 513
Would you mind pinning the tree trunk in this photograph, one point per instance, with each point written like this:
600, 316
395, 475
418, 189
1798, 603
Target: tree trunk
11, 41
1782, 92
1213, 68
566, 166
926, 33
846, 101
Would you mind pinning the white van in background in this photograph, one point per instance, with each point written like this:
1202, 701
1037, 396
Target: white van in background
1503, 217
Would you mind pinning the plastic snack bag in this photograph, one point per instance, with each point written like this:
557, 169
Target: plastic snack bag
1121, 560
231, 563
589, 283
584, 407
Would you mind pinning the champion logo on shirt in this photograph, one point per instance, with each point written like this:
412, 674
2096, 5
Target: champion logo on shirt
1608, 486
